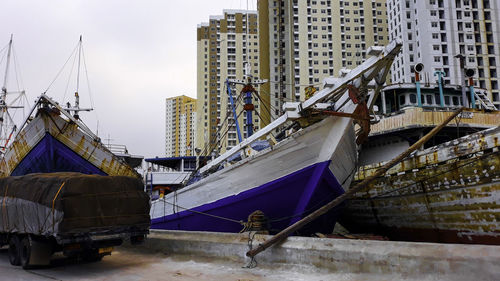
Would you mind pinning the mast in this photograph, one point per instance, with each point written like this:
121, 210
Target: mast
7, 124
76, 108
4, 88
235, 116
77, 97
3, 98
248, 89
281, 45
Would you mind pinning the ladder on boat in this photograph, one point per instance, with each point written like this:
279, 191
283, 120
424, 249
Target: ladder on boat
485, 101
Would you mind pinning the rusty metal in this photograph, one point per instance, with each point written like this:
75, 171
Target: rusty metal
353, 93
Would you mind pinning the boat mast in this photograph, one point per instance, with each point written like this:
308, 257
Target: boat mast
4, 88
77, 97
76, 108
235, 116
248, 86
3, 98
7, 124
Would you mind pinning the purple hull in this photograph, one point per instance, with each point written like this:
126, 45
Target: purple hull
49, 156
284, 201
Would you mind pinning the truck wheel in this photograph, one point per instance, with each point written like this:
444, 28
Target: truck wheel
14, 250
25, 252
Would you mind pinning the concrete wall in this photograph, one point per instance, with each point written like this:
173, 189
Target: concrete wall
474, 262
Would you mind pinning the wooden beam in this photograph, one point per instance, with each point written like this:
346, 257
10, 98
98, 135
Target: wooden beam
296, 226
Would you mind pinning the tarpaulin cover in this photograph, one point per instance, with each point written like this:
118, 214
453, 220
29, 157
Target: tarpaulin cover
71, 203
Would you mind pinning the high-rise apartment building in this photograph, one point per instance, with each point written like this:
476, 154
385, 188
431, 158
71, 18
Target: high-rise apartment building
180, 126
224, 45
304, 41
435, 31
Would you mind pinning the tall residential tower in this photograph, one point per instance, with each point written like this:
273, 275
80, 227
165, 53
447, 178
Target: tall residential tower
224, 45
180, 129
303, 42
434, 32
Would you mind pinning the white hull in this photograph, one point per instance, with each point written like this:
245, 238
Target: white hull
331, 139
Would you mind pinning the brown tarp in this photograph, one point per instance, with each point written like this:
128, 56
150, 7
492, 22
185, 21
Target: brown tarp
70, 203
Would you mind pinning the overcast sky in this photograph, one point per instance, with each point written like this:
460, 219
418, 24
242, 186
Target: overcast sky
137, 53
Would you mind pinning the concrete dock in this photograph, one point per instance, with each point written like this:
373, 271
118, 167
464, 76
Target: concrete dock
178, 255
378, 258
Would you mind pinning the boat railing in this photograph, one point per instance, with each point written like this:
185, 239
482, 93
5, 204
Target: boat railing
411, 117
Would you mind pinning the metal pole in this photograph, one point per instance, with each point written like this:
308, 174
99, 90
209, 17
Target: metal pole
440, 74
7, 63
472, 94
461, 57
235, 116
384, 106
419, 94
249, 108
294, 227
465, 102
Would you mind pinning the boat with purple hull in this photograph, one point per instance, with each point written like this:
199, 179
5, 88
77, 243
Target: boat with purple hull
302, 191
53, 140
312, 164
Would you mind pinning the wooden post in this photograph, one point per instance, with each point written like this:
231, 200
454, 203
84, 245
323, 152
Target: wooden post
294, 227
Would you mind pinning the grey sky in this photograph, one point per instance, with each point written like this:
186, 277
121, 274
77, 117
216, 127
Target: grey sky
138, 53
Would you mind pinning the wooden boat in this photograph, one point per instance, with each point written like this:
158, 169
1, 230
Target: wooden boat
447, 192
55, 141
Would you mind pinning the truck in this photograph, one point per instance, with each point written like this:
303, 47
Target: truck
82, 216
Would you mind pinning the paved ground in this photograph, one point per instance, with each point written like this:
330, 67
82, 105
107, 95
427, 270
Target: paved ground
127, 264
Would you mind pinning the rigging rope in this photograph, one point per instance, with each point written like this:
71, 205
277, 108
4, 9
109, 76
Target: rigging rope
206, 214
16, 70
62, 68
88, 82
69, 78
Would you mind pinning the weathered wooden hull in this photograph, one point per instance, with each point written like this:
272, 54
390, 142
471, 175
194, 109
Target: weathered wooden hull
447, 193
51, 143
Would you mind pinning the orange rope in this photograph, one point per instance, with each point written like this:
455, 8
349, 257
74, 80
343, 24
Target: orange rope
53, 204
